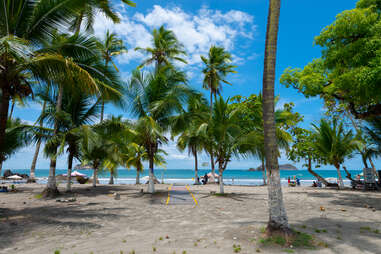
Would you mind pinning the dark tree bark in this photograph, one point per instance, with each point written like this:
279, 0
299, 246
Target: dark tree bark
69, 169
4, 108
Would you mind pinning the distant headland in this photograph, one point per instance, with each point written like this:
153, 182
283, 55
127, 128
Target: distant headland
281, 167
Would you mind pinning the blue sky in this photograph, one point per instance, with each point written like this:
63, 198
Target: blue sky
239, 26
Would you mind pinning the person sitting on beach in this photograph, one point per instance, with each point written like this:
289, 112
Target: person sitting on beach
298, 181
314, 184
205, 179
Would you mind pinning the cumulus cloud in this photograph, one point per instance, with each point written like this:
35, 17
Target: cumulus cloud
196, 31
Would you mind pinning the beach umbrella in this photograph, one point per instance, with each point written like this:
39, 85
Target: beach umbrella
14, 177
76, 173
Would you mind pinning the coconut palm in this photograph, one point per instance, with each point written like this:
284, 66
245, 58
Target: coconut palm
278, 221
110, 47
94, 150
217, 67
231, 140
22, 28
165, 49
83, 52
17, 136
78, 109
334, 143
154, 99
90, 8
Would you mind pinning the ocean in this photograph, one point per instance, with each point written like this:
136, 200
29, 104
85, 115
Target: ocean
185, 176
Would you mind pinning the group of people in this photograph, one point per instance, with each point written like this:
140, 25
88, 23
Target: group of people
294, 182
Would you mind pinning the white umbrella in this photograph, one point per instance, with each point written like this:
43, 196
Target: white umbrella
15, 177
76, 173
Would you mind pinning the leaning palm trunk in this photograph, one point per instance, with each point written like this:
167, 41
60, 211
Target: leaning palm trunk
321, 179
341, 183
278, 221
373, 166
4, 108
151, 183
51, 188
69, 169
37, 151
111, 181
1, 168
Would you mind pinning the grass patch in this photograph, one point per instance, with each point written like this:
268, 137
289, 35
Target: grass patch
38, 196
317, 230
289, 250
299, 240
220, 194
237, 248
154, 249
57, 252
262, 230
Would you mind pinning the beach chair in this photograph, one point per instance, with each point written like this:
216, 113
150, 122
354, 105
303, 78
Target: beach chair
369, 179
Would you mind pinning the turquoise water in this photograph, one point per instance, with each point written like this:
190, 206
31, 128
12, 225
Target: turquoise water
231, 176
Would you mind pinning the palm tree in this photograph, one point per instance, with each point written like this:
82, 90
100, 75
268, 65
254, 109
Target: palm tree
22, 29
110, 47
17, 136
78, 109
334, 143
166, 49
231, 140
217, 67
94, 150
278, 221
89, 9
154, 99
83, 52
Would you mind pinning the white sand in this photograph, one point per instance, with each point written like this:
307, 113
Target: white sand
99, 224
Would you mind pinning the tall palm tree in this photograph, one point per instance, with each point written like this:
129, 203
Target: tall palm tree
78, 109
231, 139
334, 143
83, 52
278, 221
23, 26
89, 9
110, 47
165, 49
154, 99
217, 67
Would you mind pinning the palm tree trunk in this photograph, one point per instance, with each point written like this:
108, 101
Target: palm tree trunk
348, 174
371, 163
321, 179
196, 179
4, 107
111, 181
278, 221
137, 176
212, 164
341, 183
1, 168
12, 108
95, 176
51, 188
264, 172
363, 157
69, 169
151, 184
37, 151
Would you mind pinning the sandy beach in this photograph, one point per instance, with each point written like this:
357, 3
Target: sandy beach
143, 223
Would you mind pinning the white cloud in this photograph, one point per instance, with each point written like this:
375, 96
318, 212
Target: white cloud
196, 31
